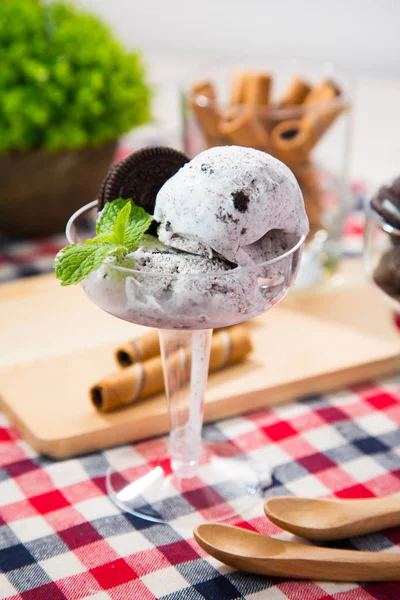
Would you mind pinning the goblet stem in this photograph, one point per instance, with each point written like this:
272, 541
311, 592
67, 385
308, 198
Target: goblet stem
185, 357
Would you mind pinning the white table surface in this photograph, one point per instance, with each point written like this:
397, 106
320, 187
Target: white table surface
375, 157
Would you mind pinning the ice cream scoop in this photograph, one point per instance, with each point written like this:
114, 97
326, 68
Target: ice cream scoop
226, 200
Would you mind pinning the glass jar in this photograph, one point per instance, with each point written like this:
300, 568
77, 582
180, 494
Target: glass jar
252, 106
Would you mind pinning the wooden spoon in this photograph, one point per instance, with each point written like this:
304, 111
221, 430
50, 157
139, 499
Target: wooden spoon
260, 554
332, 519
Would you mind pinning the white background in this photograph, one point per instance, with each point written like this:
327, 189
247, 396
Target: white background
360, 37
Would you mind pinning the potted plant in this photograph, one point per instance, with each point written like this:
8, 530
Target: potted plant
68, 90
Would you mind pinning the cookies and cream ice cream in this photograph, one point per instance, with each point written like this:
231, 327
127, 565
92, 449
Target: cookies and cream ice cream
226, 200
215, 219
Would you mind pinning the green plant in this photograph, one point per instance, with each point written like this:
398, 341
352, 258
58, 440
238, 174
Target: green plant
65, 81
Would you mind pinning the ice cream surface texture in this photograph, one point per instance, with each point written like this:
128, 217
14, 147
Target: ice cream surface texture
226, 200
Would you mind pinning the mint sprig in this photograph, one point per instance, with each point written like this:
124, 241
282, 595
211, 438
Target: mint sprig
119, 229
76, 261
121, 224
107, 217
137, 223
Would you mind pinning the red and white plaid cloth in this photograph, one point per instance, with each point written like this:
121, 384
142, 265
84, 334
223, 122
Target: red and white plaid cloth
61, 538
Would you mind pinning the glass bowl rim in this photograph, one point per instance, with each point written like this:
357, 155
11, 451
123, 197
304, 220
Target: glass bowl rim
218, 274
371, 212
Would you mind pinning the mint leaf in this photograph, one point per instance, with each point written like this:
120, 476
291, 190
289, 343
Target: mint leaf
75, 262
102, 238
120, 228
108, 216
121, 224
138, 224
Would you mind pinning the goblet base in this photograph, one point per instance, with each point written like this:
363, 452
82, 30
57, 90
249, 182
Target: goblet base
222, 487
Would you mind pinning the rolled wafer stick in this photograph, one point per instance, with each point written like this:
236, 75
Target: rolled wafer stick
229, 346
144, 379
242, 128
138, 381
323, 106
238, 88
252, 88
296, 93
138, 350
204, 105
257, 90
324, 92
309, 181
307, 175
313, 205
257, 94
318, 120
291, 142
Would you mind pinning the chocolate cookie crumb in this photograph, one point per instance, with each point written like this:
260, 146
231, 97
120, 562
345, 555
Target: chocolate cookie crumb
240, 200
207, 169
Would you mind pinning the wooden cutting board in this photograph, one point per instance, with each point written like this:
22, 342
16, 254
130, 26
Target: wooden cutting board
55, 344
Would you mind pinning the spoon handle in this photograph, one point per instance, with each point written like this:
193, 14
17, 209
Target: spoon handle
328, 565
343, 565
378, 506
381, 513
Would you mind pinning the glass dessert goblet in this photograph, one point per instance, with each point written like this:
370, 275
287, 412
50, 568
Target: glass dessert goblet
185, 308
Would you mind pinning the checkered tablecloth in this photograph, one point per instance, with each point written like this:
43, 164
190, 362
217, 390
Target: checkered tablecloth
61, 538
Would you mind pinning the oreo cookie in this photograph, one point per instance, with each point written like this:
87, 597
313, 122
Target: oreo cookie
140, 175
